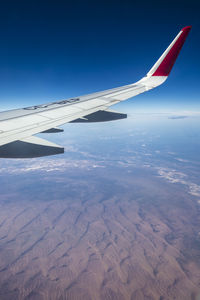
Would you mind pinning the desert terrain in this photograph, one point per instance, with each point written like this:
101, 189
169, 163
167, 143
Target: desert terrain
97, 232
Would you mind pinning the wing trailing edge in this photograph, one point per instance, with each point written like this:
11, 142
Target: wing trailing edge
29, 148
101, 116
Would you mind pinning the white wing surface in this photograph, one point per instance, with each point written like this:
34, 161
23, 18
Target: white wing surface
18, 127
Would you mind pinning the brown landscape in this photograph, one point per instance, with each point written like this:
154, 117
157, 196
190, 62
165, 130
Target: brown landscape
98, 235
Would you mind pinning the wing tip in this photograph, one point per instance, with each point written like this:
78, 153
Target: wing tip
186, 28
172, 52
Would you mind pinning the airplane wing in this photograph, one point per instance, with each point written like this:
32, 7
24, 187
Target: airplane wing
18, 127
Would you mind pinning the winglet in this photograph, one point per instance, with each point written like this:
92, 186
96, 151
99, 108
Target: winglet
165, 63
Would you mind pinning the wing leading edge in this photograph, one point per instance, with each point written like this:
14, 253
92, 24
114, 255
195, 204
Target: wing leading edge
17, 127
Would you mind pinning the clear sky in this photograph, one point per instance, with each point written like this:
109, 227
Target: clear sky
52, 50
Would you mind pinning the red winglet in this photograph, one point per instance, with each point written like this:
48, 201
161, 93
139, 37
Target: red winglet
167, 63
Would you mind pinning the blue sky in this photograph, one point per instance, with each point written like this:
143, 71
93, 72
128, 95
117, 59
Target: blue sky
54, 50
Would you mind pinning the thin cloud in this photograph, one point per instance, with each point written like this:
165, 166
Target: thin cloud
174, 176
